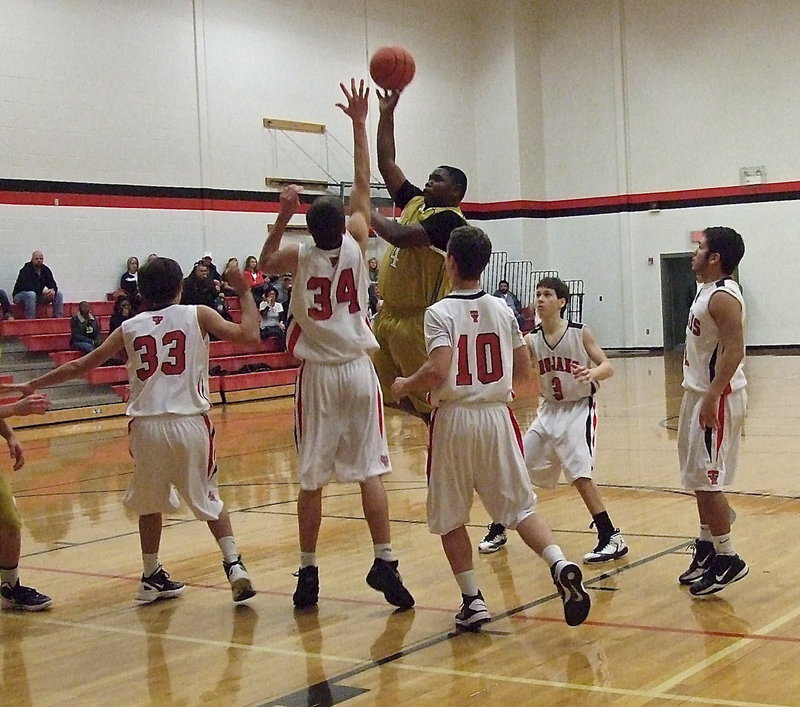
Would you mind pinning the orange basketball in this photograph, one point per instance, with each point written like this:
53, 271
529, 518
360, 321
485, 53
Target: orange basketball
392, 67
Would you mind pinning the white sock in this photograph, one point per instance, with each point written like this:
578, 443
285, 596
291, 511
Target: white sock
228, 547
150, 563
9, 575
723, 545
705, 534
467, 583
384, 552
553, 554
308, 559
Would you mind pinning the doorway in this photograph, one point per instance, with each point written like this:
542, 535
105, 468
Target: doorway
678, 289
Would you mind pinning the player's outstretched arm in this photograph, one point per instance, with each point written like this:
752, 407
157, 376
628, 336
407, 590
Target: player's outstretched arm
14, 447
400, 235
392, 174
360, 202
246, 332
80, 366
523, 380
602, 368
34, 404
273, 258
428, 376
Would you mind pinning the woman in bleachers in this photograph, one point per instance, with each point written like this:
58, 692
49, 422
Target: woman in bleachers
255, 278
122, 311
271, 315
129, 282
85, 330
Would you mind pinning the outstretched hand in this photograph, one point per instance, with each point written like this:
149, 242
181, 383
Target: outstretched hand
357, 103
290, 199
33, 404
16, 453
387, 101
235, 278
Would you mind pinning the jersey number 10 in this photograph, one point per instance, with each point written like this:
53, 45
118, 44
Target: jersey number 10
487, 359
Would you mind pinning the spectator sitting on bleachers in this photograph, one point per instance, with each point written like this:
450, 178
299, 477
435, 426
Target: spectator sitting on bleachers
5, 306
213, 273
85, 329
255, 279
271, 316
199, 288
129, 282
122, 311
36, 285
372, 269
510, 299
227, 290
284, 290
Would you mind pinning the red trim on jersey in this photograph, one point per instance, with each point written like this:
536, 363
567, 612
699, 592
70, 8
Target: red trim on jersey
130, 427
515, 425
210, 430
720, 431
380, 411
298, 407
430, 446
293, 337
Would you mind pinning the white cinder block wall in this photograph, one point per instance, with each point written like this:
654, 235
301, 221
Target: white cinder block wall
536, 100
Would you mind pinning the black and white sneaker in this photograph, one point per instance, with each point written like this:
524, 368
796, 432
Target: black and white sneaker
724, 570
158, 586
384, 577
494, 540
23, 598
237, 575
473, 613
607, 549
307, 592
569, 582
702, 556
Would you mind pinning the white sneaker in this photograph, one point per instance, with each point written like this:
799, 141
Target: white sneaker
611, 550
494, 539
237, 575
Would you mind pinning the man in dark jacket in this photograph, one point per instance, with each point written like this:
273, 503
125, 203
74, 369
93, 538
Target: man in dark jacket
36, 284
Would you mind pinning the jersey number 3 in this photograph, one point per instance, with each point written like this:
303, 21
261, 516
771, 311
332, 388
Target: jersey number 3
487, 359
175, 355
346, 293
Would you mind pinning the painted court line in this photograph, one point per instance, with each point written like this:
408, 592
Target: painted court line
724, 653
191, 639
580, 688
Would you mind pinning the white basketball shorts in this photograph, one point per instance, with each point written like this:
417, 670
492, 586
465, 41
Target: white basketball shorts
339, 425
173, 452
561, 438
708, 457
476, 448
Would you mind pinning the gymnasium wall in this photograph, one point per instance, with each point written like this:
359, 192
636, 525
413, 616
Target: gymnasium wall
539, 102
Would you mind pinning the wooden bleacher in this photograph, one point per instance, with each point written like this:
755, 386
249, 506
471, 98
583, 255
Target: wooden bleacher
232, 384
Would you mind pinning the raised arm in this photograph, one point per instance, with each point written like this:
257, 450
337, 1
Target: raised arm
246, 332
398, 234
274, 258
392, 174
360, 202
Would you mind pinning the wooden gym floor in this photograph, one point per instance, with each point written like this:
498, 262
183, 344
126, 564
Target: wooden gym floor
646, 641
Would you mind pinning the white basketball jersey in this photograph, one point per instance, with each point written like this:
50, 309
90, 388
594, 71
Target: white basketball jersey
702, 339
556, 364
483, 333
167, 362
329, 306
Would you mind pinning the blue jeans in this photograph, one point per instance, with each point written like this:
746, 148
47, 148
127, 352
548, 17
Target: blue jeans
28, 300
85, 346
5, 305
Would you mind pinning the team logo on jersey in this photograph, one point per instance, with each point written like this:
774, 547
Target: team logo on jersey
474, 314
212, 497
713, 476
157, 319
384, 460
